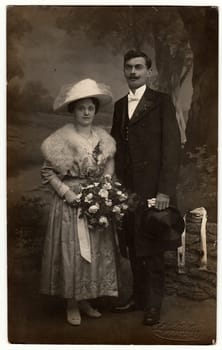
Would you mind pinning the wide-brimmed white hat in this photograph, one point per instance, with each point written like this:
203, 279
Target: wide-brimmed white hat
83, 89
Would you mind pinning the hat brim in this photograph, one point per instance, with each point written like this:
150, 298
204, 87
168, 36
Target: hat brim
156, 222
102, 98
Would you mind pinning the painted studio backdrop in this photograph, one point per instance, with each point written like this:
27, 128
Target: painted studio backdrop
49, 46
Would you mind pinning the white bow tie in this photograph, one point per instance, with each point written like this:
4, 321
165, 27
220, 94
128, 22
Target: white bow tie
132, 98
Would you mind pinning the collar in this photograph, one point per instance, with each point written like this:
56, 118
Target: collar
138, 93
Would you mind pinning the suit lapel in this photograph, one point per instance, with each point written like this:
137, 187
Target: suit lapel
146, 104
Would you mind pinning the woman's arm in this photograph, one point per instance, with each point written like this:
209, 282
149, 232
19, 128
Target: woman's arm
49, 176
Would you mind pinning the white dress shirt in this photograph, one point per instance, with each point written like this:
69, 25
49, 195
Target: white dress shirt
134, 98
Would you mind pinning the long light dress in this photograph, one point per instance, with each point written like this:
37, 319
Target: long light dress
65, 272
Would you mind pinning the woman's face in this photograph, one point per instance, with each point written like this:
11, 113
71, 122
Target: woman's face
84, 112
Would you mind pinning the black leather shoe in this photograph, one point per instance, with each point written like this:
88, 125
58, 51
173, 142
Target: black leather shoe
128, 307
151, 317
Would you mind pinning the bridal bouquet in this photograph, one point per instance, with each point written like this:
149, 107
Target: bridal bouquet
102, 202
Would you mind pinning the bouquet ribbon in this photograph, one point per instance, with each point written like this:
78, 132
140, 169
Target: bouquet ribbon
84, 238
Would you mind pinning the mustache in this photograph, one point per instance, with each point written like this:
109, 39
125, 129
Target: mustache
133, 76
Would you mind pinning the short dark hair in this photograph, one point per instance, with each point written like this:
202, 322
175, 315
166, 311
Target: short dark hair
137, 53
71, 105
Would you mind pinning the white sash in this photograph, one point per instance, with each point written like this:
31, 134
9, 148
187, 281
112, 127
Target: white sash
84, 238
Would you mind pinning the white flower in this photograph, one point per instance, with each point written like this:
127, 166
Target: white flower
118, 183
78, 197
99, 159
116, 209
108, 202
124, 206
93, 208
89, 186
107, 186
103, 221
96, 184
103, 193
120, 193
123, 197
88, 198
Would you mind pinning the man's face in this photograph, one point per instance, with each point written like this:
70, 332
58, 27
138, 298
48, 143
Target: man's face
136, 72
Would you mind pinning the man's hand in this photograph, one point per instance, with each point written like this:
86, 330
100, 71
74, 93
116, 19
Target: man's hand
162, 201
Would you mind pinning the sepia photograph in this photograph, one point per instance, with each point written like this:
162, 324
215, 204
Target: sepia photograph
112, 174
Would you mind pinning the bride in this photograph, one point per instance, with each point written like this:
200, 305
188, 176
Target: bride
78, 263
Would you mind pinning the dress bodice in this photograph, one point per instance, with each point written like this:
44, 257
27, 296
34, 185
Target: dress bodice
92, 163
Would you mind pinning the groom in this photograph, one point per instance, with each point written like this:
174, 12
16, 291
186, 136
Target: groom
147, 163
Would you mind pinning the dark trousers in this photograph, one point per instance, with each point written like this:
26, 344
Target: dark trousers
148, 275
148, 280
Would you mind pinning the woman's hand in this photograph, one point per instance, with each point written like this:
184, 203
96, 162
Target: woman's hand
70, 196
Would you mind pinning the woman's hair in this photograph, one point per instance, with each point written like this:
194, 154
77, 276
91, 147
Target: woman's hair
136, 53
71, 105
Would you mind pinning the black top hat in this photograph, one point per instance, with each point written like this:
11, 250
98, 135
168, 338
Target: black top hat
166, 224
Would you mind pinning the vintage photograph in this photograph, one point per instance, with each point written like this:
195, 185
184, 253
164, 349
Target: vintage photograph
112, 138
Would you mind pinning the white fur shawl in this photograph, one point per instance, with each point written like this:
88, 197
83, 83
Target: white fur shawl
63, 147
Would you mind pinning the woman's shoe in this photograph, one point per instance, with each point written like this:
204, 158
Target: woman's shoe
73, 314
87, 309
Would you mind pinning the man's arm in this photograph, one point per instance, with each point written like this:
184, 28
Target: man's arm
170, 157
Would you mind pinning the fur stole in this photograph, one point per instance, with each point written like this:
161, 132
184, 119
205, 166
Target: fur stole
63, 147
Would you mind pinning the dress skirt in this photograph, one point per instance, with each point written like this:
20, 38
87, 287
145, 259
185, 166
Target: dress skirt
65, 272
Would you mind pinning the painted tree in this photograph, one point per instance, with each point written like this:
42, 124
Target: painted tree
201, 24
17, 26
122, 28
128, 27
181, 36
32, 96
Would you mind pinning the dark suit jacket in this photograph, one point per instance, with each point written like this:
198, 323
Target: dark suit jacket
148, 162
